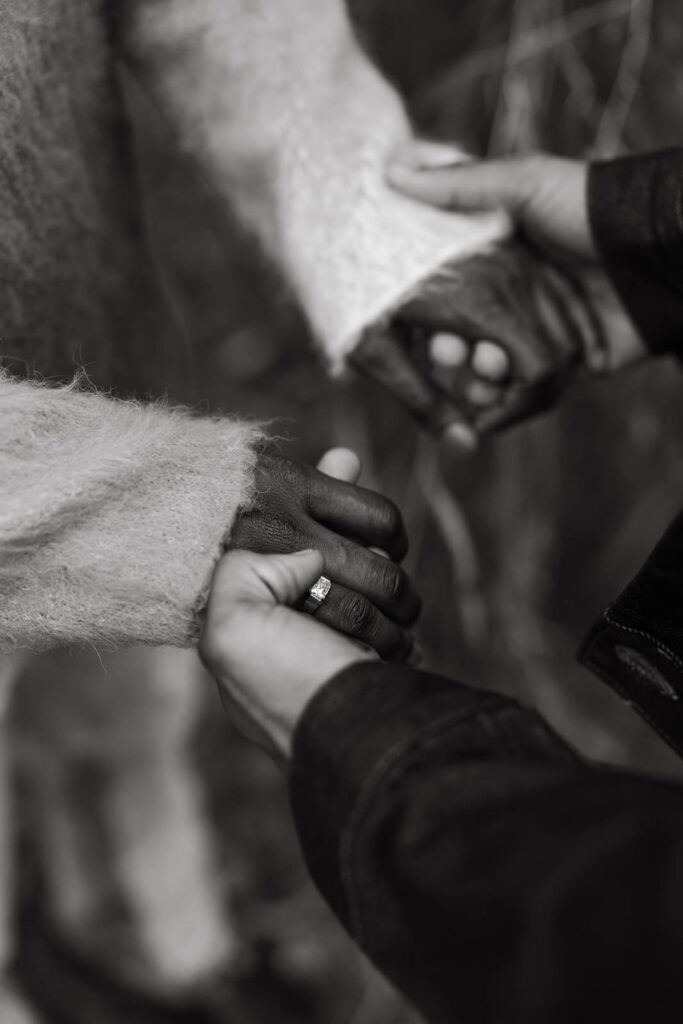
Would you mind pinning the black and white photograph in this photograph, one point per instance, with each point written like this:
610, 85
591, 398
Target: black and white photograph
341, 526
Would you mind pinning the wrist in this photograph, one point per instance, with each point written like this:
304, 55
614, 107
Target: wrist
282, 726
291, 702
266, 696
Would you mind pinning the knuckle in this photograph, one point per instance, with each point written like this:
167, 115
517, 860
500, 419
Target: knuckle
246, 531
341, 558
359, 615
267, 474
394, 523
390, 520
400, 600
214, 648
262, 532
393, 582
302, 534
279, 478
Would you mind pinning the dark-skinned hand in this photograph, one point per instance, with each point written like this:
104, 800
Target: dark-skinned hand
299, 508
497, 337
489, 339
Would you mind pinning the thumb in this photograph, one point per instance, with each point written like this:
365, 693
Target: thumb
427, 153
245, 577
469, 185
287, 577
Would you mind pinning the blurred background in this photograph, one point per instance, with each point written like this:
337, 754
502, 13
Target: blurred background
515, 550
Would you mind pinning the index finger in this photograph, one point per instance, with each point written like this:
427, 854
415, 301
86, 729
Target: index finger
469, 185
357, 513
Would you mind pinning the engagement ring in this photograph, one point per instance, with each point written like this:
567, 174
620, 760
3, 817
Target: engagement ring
317, 594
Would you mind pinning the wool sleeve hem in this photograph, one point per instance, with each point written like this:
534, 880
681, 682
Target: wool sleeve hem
301, 155
112, 516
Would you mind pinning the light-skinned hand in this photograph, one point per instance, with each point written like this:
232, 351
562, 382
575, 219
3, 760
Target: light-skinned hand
298, 507
582, 321
270, 659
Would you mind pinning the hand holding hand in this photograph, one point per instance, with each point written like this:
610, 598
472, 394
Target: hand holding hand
544, 195
298, 507
270, 660
497, 337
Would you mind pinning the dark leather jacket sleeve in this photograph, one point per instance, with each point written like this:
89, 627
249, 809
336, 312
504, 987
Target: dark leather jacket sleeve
637, 644
635, 207
486, 869
636, 213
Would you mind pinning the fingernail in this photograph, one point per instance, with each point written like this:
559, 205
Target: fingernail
490, 360
427, 155
460, 437
448, 351
434, 155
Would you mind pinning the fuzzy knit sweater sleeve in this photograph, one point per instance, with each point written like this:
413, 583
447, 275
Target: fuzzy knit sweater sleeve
112, 516
293, 125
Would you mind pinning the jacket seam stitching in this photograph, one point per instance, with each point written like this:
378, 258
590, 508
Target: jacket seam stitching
662, 648
613, 681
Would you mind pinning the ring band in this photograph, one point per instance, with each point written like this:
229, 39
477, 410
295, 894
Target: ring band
317, 594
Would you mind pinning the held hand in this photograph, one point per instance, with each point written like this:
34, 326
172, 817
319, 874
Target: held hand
269, 660
499, 336
297, 507
515, 308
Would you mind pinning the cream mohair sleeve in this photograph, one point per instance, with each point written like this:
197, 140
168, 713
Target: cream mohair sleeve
294, 125
112, 516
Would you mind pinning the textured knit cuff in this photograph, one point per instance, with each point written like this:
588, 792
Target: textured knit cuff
112, 516
636, 213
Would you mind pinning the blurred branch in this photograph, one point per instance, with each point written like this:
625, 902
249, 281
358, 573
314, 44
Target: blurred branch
544, 38
581, 83
513, 122
459, 542
609, 136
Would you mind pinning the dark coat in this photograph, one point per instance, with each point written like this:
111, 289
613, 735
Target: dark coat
491, 873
